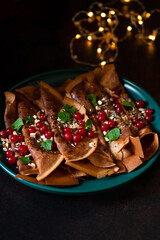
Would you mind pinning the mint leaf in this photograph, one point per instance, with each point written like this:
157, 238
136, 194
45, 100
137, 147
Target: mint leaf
29, 119
128, 104
65, 116
25, 160
69, 109
93, 99
47, 144
17, 124
113, 135
88, 124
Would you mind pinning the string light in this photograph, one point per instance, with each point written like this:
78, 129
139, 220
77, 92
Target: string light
104, 36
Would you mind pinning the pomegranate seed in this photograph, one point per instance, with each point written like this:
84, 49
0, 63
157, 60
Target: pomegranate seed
54, 146
113, 99
23, 149
77, 137
117, 105
3, 134
43, 129
135, 120
68, 136
48, 134
39, 124
14, 138
82, 131
148, 118
43, 117
140, 103
115, 91
102, 112
104, 127
12, 160
139, 125
31, 129
10, 131
111, 123
67, 129
21, 138
82, 123
77, 116
91, 134
119, 110
9, 153
101, 118
149, 111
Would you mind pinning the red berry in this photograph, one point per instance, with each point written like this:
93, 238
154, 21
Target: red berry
102, 112
32, 129
104, 127
21, 138
43, 117
140, 103
119, 110
91, 134
43, 129
14, 138
54, 146
9, 153
101, 118
116, 91
111, 123
3, 134
82, 131
139, 125
149, 111
39, 124
48, 134
135, 120
82, 123
10, 131
117, 105
12, 160
68, 136
67, 129
77, 116
114, 99
148, 118
23, 149
77, 137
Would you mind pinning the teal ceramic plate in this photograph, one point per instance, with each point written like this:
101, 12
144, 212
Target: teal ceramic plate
91, 185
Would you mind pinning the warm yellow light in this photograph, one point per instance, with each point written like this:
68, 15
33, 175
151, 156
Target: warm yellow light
139, 17
99, 50
103, 14
90, 14
100, 29
89, 38
103, 63
140, 22
112, 12
113, 45
151, 37
148, 15
129, 28
126, 0
78, 36
109, 20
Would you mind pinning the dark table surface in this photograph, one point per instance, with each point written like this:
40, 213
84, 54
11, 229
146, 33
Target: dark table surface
35, 38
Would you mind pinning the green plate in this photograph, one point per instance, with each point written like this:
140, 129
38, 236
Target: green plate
91, 185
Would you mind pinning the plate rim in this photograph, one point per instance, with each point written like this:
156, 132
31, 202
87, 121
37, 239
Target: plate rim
72, 190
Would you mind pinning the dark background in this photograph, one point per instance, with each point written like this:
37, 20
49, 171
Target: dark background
35, 38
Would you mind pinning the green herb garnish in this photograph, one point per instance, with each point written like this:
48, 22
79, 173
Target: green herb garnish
128, 104
69, 109
65, 116
25, 160
17, 124
29, 119
113, 135
47, 144
93, 99
88, 124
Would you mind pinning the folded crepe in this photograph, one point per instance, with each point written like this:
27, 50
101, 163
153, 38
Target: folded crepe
53, 104
108, 78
